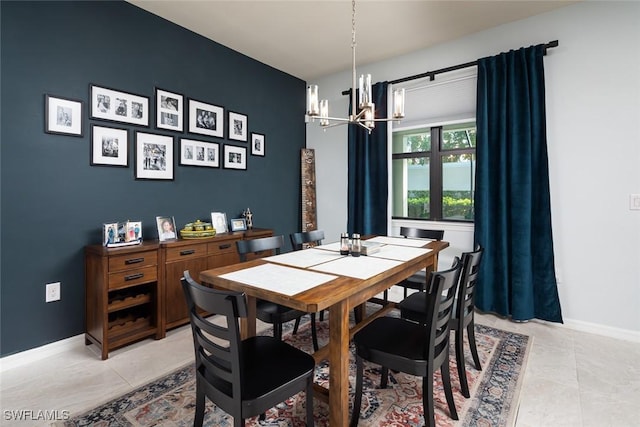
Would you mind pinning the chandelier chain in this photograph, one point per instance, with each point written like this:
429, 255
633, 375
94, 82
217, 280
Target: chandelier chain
353, 23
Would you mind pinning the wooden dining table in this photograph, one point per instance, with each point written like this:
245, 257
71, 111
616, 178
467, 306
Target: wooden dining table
321, 280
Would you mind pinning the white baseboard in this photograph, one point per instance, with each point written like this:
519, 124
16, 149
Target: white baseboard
39, 353
607, 331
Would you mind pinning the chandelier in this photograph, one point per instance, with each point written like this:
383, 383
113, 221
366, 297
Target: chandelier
362, 113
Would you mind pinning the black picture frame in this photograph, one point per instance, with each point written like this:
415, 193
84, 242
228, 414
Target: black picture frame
199, 153
63, 116
169, 110
154, 156
118, 106
109, 146
235, 157
238, 224
206, 119
238, 126
257, 144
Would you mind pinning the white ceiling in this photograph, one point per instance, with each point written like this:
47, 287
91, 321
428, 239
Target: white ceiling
311, 38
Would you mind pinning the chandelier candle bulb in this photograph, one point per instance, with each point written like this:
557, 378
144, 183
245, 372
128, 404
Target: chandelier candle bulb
312, 100
398, 104
369, 116
365, 90
324, 112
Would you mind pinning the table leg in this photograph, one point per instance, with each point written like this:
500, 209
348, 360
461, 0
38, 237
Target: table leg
248, 324
339, 365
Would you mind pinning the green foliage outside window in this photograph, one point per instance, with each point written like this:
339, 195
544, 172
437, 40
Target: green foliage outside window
455, 205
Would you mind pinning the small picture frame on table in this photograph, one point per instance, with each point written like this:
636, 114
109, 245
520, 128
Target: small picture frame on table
154, 156
206, 119
235, 157
169, 110
63, 116
219, 222
109, 146
237, 126
257, 144
238, 224
166, 228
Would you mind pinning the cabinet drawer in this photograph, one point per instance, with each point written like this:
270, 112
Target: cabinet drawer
186, 252
133, 277
133, 261
224, 247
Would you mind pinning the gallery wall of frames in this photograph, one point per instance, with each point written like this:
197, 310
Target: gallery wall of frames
111, 114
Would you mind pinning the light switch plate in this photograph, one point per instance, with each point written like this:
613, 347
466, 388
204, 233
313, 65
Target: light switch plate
634, 202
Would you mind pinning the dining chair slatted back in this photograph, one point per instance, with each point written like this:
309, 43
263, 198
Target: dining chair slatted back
413, 308
300, 239
267, 311
242, 377
414, 348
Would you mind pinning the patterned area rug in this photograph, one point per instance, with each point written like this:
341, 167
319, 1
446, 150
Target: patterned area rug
170, 401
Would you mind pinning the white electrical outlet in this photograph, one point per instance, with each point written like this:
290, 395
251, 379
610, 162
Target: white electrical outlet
634, 202
52, 292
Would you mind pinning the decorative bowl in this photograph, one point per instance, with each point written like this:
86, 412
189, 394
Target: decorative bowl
197, 230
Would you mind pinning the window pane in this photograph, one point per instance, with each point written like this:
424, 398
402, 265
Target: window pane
417, 140
410, 187
458, 186
461, 135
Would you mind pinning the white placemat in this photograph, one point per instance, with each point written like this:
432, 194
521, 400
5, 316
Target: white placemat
362, 267
400, 253
279, 278
400, 241
304, 258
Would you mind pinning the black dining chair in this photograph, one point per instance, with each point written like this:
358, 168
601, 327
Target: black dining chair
410, 347
267, 311
242, 377
298, 242
412, 308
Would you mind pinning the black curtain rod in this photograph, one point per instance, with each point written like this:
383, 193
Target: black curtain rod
432, 74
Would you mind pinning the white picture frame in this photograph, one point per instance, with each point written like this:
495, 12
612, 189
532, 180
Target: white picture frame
219, 222
166, 226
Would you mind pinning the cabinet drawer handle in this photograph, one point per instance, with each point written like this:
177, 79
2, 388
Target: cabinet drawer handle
188, 252
227, 246
134, 261
133, 277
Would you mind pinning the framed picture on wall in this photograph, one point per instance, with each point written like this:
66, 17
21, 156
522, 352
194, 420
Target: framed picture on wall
199, 153
169, 110
257, 144
117, 106
63, 116
154, 156
109, 146
206, 119
237, 126
235, 157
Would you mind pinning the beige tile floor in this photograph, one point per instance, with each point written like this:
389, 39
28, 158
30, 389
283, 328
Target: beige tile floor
572, 378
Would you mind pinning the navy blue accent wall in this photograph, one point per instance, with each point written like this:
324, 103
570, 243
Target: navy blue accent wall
54, 202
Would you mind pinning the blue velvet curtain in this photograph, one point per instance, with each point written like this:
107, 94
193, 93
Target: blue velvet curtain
512, 201
368, 172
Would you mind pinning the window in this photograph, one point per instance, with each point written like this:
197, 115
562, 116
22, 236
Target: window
433, 171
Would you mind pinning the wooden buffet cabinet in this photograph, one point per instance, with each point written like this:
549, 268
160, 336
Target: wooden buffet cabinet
134, 292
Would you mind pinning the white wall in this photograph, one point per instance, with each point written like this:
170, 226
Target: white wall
593, 116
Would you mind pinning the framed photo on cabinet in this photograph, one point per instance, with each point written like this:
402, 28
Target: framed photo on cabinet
238, 224
63, 116
199, 153
169, 110
219, 221
206, 119
166, 228
154, 156
117, 106
235, 157
257, 144
237, 126
109, 146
